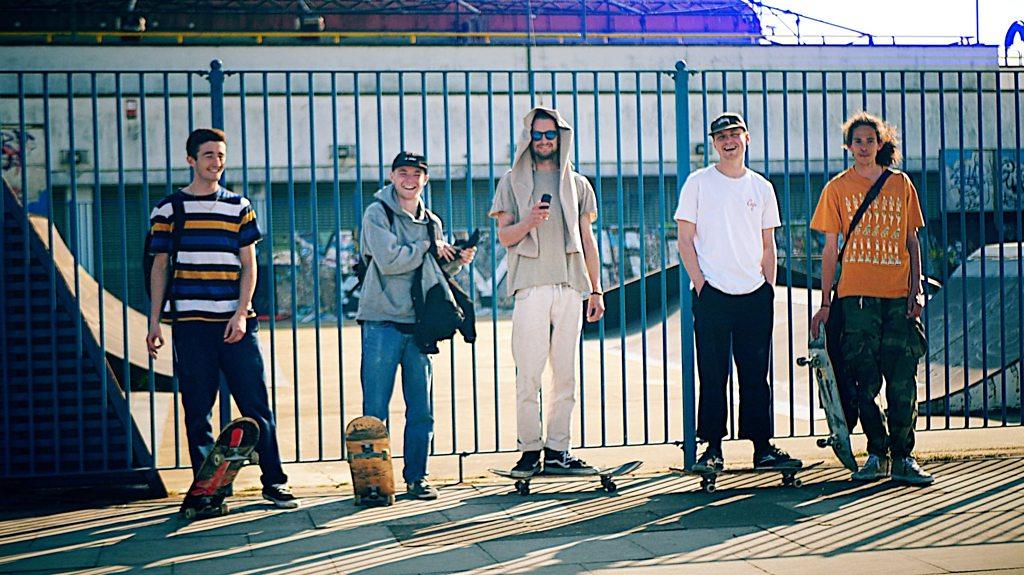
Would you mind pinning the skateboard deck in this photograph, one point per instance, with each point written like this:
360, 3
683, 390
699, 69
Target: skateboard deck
603, 474
369, 458
234, 447
828, 394
708, 480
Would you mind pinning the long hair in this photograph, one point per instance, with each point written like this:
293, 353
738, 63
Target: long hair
889, 154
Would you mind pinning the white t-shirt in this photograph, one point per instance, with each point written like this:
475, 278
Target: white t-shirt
730, 214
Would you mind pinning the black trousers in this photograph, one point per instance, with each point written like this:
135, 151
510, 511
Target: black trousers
742, 324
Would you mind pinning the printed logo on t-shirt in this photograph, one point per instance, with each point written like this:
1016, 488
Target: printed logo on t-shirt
751, 204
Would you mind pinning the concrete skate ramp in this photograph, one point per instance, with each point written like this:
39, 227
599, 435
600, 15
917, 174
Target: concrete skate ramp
113, 319
987, 329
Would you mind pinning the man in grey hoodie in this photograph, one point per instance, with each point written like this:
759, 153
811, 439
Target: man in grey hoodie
396, 240
544, 212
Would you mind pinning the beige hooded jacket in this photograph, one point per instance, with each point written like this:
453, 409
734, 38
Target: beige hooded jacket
519, 181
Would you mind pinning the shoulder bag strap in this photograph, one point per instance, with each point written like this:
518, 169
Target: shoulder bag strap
876, 188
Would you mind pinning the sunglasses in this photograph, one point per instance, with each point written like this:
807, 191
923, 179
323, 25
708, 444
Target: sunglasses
550, 134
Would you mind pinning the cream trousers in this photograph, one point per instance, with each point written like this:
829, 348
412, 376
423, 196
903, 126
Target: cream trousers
546, 323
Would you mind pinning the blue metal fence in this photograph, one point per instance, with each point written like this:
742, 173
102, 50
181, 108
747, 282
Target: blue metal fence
309, 149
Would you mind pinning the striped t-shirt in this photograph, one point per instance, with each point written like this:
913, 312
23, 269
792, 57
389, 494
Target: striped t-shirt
207, 271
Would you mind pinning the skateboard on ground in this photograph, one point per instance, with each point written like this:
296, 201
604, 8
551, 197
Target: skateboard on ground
828, 395
235, 447
604, 474
369, 458
707, 480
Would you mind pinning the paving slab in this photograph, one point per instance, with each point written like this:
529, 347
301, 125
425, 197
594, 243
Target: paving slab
868, 563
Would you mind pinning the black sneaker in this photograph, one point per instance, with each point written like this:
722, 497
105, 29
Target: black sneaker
281, 496
564, 463
420, 489
711, 461
528, 464
775, 458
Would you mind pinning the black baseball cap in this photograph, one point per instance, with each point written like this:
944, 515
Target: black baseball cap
726, 121
409, 159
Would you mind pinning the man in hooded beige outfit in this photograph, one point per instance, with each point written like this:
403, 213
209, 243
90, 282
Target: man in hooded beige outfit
544, 212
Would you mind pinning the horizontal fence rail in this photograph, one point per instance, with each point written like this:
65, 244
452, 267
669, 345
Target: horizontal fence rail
87, 155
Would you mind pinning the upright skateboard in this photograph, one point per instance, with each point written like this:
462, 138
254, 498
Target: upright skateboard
605, 475
369, 458
235, 446
708, 480
828, 395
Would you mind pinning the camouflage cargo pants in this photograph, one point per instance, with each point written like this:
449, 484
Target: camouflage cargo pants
879, 341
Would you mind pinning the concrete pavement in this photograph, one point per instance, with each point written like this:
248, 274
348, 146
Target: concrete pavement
970, 520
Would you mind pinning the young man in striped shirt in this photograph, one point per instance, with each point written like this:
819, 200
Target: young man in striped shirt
210, 301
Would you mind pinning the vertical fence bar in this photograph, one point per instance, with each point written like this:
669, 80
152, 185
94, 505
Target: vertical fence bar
448, 232
599, 192
339, 289
73, 232
268, 186
943, 214
580, 342
642, 228
788, 200
686, 359
470, 224
26, 286
144, 210
963, 250
126, 372
5, 368
663, 217
493, 239
924, 238
807, 233
97, 228
315, 231
293, 264
1020, 234
765, 93
620, 202
999, 216
981, 246
216, 79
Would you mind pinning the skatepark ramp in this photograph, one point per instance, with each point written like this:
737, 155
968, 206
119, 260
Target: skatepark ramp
66, 417
974, 344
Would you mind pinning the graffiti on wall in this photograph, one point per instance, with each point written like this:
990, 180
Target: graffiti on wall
18, 165
976, 180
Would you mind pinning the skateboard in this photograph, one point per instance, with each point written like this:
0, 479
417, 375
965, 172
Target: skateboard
369, 458
604, 474
235, 447
828, 394
708, 480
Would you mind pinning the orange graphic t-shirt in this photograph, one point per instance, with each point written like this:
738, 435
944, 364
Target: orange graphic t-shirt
876, 262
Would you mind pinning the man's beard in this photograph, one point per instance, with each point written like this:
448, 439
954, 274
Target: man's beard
538, 157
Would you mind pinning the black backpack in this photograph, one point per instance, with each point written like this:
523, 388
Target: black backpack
178, 220
363, 264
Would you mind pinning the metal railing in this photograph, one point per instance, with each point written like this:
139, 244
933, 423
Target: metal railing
91, 153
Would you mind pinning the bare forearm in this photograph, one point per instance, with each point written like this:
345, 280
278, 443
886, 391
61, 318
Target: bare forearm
769, 263
157, 288
828, 273
593, 263
688, 254
512, 234
246, 289
914, 247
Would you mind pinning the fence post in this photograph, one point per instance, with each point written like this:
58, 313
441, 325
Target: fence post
682, 95
216, 78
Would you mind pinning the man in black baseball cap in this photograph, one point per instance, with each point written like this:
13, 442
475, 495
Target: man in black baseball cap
411, 159
726, 121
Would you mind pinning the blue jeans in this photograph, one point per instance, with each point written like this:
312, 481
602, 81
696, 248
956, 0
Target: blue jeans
384, 349
200, 356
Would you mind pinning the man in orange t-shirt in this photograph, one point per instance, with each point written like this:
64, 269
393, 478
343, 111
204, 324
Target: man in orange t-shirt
880, 294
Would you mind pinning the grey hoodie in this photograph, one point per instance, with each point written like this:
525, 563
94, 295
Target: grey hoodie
396, 251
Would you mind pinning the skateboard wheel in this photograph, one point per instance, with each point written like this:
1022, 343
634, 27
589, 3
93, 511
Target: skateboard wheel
358, 499
385, 454
709, 487
802, 361
189, 513
223, 509
822, 443
217, 459
797, 483
610, 487
391, 499
254, 458
522, 488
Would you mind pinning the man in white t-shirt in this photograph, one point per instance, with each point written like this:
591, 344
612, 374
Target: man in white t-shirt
727, 215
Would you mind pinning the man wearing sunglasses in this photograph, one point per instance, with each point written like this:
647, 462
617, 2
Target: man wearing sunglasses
544, 212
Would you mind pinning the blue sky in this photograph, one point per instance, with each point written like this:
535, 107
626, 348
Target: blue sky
912, 21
